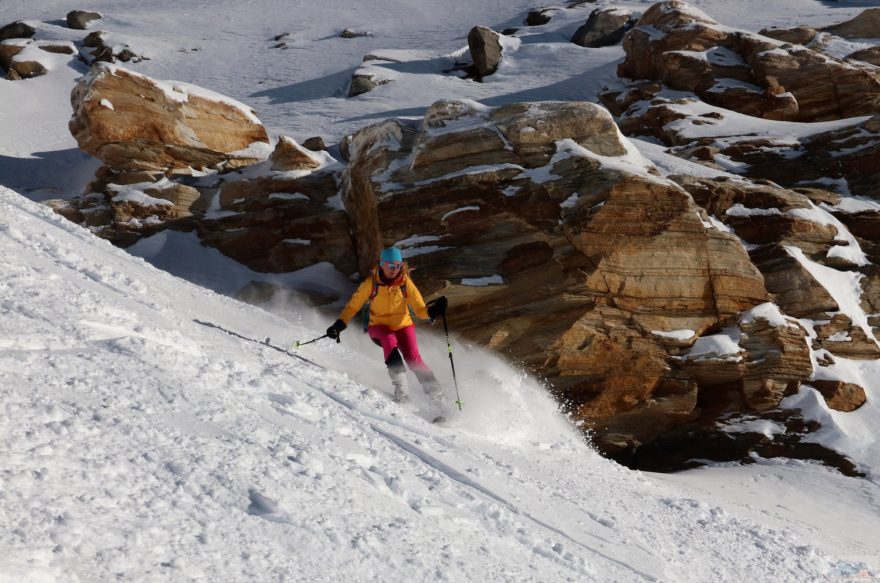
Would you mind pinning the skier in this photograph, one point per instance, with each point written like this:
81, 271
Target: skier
391, 294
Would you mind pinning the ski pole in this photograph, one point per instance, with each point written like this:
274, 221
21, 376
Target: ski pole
297, 344
452, 363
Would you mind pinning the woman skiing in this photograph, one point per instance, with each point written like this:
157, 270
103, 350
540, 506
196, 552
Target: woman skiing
391, 294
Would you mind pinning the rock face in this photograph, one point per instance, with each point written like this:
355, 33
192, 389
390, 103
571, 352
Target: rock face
278, 223
604, 27
686, 50
130, 121
485, 46
587, 273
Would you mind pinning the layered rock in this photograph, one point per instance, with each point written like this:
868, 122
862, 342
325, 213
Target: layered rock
686, 50
282, 220
585, 272
130, 121
133, 207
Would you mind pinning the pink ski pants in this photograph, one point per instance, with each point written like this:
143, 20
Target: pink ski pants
403, 339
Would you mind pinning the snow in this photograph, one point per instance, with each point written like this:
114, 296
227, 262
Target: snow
162, 444
683, 334
483, 281
843, 286
151, 432
763, 426
724, 345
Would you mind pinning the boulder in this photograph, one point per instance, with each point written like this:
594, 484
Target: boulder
17, 29
686, 50
840, 395
485, 47
870, 55
363, 82
604, 27
80, 19
130, 121
290, 156
800, 35
865, 25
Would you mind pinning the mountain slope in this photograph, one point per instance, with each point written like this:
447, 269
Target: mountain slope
146, 445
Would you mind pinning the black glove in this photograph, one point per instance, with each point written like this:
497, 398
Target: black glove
437, 308
334, 330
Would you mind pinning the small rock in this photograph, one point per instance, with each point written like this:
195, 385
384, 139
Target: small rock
349, 33
80, 19
315, 144
538, 17
58, 49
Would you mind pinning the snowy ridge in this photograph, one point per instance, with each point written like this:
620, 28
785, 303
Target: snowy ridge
144, 444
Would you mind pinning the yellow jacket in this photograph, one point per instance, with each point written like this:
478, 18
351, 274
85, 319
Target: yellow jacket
389, 307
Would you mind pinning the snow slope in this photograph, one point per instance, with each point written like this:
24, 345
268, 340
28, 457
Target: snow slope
144, 442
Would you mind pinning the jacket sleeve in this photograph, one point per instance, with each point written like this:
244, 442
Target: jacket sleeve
415, 301
357, 301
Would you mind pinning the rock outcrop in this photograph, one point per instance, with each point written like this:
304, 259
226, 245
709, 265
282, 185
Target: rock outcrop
130, 121
683, 48
587, 273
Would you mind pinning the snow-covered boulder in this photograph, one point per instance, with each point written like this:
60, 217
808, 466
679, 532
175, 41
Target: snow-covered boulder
289, 155
604, 27
687, 50
130, 121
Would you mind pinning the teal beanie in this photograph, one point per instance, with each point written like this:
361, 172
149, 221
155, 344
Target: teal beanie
391, 254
